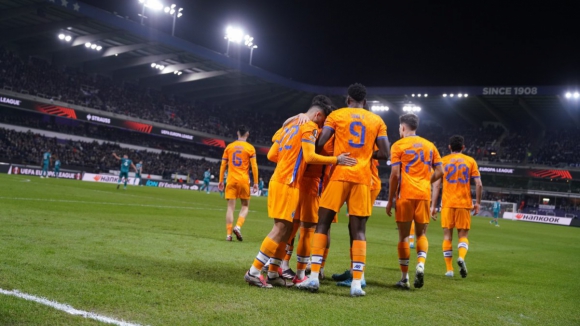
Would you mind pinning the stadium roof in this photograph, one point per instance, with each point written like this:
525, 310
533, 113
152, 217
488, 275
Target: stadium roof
129, 50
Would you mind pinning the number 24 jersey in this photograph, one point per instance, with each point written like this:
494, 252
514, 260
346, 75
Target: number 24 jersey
417, 156
356, 131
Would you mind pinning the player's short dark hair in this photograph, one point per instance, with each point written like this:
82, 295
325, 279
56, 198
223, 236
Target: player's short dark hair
410, 119
326, 109
456, 142
242, 129
322, 99
357, 92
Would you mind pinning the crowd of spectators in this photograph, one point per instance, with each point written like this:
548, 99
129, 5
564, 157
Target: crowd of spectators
40, 78
560, 147
27, 148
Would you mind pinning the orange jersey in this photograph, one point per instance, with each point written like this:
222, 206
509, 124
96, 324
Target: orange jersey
355, 132
317, 170
417, 156
375, 180
458, 170
238, 156
290, 163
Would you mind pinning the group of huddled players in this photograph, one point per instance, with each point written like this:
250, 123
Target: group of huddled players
327, 157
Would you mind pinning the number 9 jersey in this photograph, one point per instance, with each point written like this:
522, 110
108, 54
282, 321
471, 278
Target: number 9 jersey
356, 131
417, 156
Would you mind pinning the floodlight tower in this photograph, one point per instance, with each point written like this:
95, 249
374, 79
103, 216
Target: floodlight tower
233, 35
249, 42
176, 13
152, 4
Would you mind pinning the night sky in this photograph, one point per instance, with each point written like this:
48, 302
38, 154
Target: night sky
387, 43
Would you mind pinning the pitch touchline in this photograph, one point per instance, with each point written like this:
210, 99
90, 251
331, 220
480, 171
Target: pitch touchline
106, 203
66, 308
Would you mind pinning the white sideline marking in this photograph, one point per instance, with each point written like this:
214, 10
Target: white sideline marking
107, 203
66, 308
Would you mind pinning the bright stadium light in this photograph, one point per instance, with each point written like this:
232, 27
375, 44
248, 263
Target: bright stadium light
61, 36
576, 95
99, 48
444, 95
235, 35
568, 95
419, 95
176, 13
88, 44
465, 95
459, 95
93, 46
425, 95
379, 108
411, 108
151, 4
153, 65
450, 95
413, 95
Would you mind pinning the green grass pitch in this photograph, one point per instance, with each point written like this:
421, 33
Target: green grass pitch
159, 257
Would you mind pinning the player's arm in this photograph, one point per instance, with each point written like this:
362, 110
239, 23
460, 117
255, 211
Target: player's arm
302, 119
435, 198
310, 156
254, 165
393, 185
134, 167
223, 166
273, 152
478, 186
116, 156
327, 132
383, 153
437, 165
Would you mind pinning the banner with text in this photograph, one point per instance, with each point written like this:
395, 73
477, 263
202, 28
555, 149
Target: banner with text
537, 218
32, 171
106, 178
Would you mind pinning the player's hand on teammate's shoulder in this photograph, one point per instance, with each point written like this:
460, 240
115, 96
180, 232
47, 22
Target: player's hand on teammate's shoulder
302, 119
345, 159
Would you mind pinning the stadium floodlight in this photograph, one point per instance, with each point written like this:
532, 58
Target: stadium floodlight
61, 36
99, 48
93, 46
411, 108
465, 95
252, 52
233, 35
151, 4
68, 38
153, 65
450, 95
413, 95
88, 44
176, 13
576, 95
568, 95
459, 95
425, 95
379, 108
444, 95
419, 95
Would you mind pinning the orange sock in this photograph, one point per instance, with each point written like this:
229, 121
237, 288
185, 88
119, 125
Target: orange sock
351, 257
448, 254
241, 221
318, 246
276, 258
422, 248
267, 250
359, 258
290, 246
229, 228
304, 248
462, 247
404, 254
324, 257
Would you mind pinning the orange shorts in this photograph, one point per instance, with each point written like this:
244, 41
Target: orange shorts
374, 194
408, 210
235, 190
458, 218
307, 210
357, 197
282, 201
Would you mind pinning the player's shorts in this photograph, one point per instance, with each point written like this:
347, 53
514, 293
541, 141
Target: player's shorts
357, 197
374, 194
124, 175
138, 175
45, 166
408, 210
282, 201
235, 190
495, 214
458, 218
307, 210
